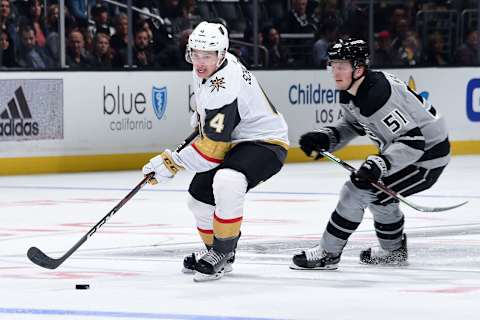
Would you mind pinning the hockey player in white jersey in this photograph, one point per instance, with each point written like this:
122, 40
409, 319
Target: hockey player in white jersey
243, 141
413, 147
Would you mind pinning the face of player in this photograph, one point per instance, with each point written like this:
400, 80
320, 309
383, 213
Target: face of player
204, 62
342, 73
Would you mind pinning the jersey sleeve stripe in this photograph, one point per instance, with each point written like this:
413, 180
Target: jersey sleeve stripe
413, 138
440, 150
415, 132
414, 144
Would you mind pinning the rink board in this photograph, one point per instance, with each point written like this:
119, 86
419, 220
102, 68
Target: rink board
83, 121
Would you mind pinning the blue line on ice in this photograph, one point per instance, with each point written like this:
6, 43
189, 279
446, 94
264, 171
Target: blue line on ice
119, 314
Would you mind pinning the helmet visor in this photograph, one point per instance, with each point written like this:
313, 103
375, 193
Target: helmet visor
203, 56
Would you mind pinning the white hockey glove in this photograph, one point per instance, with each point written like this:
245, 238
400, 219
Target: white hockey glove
163, 166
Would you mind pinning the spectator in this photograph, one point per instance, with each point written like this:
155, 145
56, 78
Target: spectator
160, 31
88, 37
77, 56
435, 55
245, 53
100, 21
53, 13
297, 20
278, 55
383, 56
7, 51
146, 26
146, 23
30, 55
187, 19
142, 52
34, 17
79, 8
327, 35
399, 34
327, 12
52, 46
467, 53
7, 23
398, 14
174, 56
409, 52
102, 52
119, 40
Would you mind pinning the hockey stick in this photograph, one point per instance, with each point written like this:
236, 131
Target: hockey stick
39, 258
380, 186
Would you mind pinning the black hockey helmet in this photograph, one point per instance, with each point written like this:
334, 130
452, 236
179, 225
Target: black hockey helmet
355, 50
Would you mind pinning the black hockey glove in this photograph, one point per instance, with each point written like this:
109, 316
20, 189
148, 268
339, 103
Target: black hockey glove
373, 169
317, 140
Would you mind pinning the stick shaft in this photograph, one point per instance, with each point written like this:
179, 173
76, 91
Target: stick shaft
41, 259
380, 186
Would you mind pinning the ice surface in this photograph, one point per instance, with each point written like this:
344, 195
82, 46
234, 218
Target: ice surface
133, 263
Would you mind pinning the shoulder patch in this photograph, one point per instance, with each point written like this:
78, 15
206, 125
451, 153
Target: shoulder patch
373, 93
217, 83
223, 87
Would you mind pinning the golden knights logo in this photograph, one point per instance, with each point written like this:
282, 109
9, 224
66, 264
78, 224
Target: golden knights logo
217, 83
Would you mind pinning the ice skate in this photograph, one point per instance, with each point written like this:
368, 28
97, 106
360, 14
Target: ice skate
381, 256
191, 260
212, 265
315, 258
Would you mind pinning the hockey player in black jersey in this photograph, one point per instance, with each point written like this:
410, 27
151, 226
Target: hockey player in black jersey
413, 150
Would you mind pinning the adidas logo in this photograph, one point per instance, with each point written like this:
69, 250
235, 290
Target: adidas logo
15, 120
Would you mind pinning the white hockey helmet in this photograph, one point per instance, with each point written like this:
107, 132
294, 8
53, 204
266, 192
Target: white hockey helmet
208, 36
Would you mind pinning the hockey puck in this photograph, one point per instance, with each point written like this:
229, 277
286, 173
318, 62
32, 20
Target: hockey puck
82, 286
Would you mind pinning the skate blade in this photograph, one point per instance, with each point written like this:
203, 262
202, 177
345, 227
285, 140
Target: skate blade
385, 264
329, 267
202, 277
228, 268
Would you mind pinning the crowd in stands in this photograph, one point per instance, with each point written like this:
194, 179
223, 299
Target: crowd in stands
292, 33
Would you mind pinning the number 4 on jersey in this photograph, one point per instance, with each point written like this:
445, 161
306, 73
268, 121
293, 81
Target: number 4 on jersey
217, 122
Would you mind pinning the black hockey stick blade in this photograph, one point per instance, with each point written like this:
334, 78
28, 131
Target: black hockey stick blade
380, 186
41, 259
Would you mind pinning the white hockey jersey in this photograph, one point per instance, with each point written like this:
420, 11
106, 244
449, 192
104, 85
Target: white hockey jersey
231, 108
